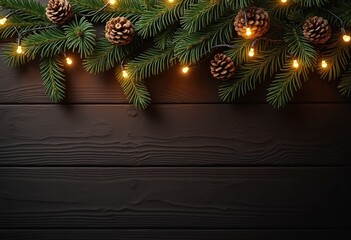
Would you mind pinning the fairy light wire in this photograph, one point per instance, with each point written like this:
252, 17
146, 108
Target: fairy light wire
99, 10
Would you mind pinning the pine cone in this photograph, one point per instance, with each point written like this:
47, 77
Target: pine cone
317, 30
59, 11
119, 31
257, 19
222, 67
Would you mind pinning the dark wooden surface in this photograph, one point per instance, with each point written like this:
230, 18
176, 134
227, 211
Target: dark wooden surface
190, 167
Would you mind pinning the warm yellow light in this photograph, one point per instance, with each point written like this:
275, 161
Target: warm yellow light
69, 61
171, 1
346, 38
112, 2
3, 21
185, 70
324, 64
252, 52
296, 64
248, 31
19, 50
125, 74
284, 1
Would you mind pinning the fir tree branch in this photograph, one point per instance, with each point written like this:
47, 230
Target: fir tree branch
10, 56
190, 48
51, 70
135, 90
259, 69
286, 83
159, 18
80, 36
202, 14
28, 10
152, 62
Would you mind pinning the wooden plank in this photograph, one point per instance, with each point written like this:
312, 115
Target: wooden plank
226, 198
135, 234
25, 86
175, 135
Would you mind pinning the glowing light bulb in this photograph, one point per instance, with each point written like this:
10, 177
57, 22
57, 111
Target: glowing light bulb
283, 1
19, 49
185, 70
248, 31
346, 38
3, 21
296, 64
125, 74
112, 2
252, 52
324, 64
69, 61
171, 1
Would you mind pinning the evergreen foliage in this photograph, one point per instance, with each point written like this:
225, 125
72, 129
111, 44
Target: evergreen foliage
183, 31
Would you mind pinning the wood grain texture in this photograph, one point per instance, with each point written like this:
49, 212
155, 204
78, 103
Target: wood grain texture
225, 198
24, 85
135, 234
175, 135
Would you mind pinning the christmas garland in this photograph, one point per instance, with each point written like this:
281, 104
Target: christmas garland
283, 40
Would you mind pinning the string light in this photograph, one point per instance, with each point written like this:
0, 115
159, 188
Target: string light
248, 31
324, 64
171, 1
112, 2
283, 1
3, 21
185, 69
296, 64
252, 52
69, 61
125, 74
346, 38
19, 49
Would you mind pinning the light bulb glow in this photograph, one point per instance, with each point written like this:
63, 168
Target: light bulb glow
248, 31
69, 61
296, 64
125, 74
171, 1
324, 64
19, 50
346, 38
112, 2
283, 1
185, 70
3, 21
252, 52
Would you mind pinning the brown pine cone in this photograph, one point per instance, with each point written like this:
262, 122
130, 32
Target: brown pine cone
59, 11
222, 67
119, 31
317, 30
257, 19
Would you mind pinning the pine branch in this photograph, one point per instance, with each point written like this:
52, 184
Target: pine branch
10, 56
46, 43
202, 14
258, 70
152, 62
311, 3
155, 20
165, 38
135, 90
286, 84
238, 4
107, 55
80, 36
190, 48
51, 70
345, 83
338, 57
299, 47
29, 10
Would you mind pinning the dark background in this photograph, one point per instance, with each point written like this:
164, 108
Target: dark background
189, 167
